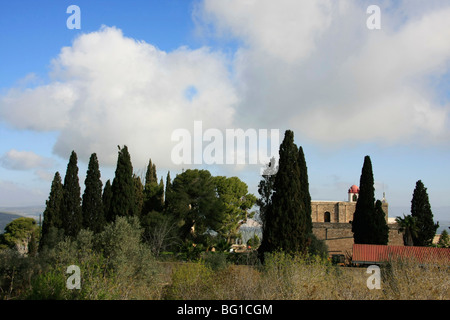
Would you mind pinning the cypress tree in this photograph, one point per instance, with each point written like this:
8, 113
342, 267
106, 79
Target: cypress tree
285, 222
138, 194
153, 192
106, 200
123, 200
92, 206
52, 212
381, 229
306, 196
72, 215
365, 206
421, 210
167, 193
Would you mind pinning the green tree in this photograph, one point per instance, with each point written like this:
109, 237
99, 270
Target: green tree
92, 206
106, 200
168, 191
123, 202
421, 210
362, 224
381, 229
194, 204
265, 188
153, 192
19, 233
444, 241
408, 226
306, 196
52, 213
72, 215
233, 193
138, 194
285, 224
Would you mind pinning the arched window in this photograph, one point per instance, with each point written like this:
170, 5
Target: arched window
327, 217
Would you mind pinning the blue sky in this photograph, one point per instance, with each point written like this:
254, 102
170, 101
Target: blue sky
137, 70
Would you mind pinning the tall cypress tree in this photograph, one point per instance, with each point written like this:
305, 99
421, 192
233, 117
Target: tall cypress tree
52, 213
106, 200
381, 234
92, 206
153, 192
138, 194
123, 200
306, 196
421, 210
365, 206
72, 215
167, 193
285, 223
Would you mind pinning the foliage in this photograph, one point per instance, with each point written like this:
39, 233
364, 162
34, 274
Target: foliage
421, 210
194, 205
444, 240
236, 201
362, 224
19, 233
92, 205
286, 225
72, 218
123, 200
408, 226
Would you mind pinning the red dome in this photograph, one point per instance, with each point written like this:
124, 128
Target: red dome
353, 189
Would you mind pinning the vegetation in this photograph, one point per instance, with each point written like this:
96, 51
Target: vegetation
421, 210
140, 240
369, 224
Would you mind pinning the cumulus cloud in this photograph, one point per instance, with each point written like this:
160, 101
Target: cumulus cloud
24, 160
311, 66
110, 90
315, 67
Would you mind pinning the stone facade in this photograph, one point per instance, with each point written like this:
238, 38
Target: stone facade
332, 223
339, 236
336, 211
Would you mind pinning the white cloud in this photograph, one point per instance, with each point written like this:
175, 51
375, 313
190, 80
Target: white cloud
313, 66
110, 90
24, 160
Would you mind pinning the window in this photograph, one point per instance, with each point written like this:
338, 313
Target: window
327, 217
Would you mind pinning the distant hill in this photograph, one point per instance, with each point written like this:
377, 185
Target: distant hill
6, 218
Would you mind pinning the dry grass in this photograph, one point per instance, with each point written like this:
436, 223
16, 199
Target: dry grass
294, 278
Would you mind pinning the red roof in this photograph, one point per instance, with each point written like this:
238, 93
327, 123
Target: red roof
370, 253
353, 189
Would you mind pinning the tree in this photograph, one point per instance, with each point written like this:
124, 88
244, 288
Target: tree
285, 224
194, 204
421, 210
92, 206
408, 226
138, 194
52, 213
168, 191
304, 185
233, 193
106, 200
265, 188
123, 199
72, 215
19, 234
362, 224
153, 192
444, 241
381, 229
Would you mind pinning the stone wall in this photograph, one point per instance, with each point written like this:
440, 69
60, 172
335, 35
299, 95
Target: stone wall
339, 236
339, 211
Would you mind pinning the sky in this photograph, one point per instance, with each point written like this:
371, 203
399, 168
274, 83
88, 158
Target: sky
136, 71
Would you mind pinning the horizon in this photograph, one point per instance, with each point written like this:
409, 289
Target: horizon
135, 73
